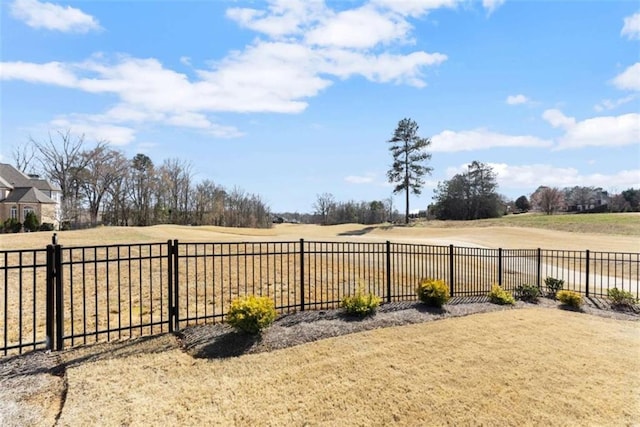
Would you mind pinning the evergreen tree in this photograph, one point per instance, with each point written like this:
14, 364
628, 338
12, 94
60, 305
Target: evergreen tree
409, 158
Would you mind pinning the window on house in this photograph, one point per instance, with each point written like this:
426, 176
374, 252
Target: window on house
25, 211
14, 212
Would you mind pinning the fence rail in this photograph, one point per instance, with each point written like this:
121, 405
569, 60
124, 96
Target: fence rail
60, 296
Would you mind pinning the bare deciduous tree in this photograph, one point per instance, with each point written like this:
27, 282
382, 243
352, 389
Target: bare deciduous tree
23, 157
62, 161
103, 167
547, 199
324, 205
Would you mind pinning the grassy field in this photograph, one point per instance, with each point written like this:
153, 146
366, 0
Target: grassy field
626, 224
514, 367
534, 366
135, 293
605, 232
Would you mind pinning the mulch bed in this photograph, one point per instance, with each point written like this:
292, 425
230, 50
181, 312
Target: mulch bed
33, 385
220, 340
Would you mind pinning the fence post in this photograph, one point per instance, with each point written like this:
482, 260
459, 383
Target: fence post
176, 283
451, 277
171, 308
500, 267
301, 274
59, 303
539, 268
388, 271
50, 291
587, 273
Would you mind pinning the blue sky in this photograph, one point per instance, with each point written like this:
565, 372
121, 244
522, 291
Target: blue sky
290, 99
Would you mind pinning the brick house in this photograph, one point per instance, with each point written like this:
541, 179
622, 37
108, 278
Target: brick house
21, 194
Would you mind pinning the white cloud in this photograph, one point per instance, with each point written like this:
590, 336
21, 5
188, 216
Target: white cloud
415, 8
516, 99
381, 68
557, 119
602, 131
356, 179
631, 27
54, 73
529, 177
492, 5
282, 18
95, 131
481, 139
610, 104
532, 176
276, 75
629, 79
359, 28
51, 16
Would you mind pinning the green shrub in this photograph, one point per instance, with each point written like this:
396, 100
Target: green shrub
553, 285
31, 222
251, 314
46, 226
12, 225
528, 293
360, 304
621, 298
434, 293
570, 298
500, 296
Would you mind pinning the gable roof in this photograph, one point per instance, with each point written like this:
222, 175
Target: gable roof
17, 179
5, 185
28, 195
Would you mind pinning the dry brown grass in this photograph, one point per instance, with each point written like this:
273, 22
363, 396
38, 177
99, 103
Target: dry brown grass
514, 367
136, 297
462, 234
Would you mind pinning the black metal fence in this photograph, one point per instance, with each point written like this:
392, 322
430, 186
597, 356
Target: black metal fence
65, 296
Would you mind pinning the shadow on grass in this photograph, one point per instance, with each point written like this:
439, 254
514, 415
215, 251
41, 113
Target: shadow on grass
567, 307
228, 344
357, 232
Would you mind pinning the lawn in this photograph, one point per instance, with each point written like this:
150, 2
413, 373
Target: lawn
626, 224
516, 367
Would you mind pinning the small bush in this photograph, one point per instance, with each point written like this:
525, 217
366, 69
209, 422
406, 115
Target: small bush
12, 225
251, 314
434, 293
528, 293
621, 298
500, 296
360, 304
31, 222
570, 298
553, 285
46, 226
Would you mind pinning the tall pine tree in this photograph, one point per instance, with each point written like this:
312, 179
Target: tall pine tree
409, 160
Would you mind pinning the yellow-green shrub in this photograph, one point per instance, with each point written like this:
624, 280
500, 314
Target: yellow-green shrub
434, 293
251, 314
360, 304
621, 298
500, 296
570, 298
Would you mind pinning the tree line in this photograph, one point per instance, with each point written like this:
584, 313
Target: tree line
328, 211
100, 185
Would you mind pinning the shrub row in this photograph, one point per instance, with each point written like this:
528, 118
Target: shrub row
252, 314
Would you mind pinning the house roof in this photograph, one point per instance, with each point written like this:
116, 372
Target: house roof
5, 185
17, 179
28, 195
